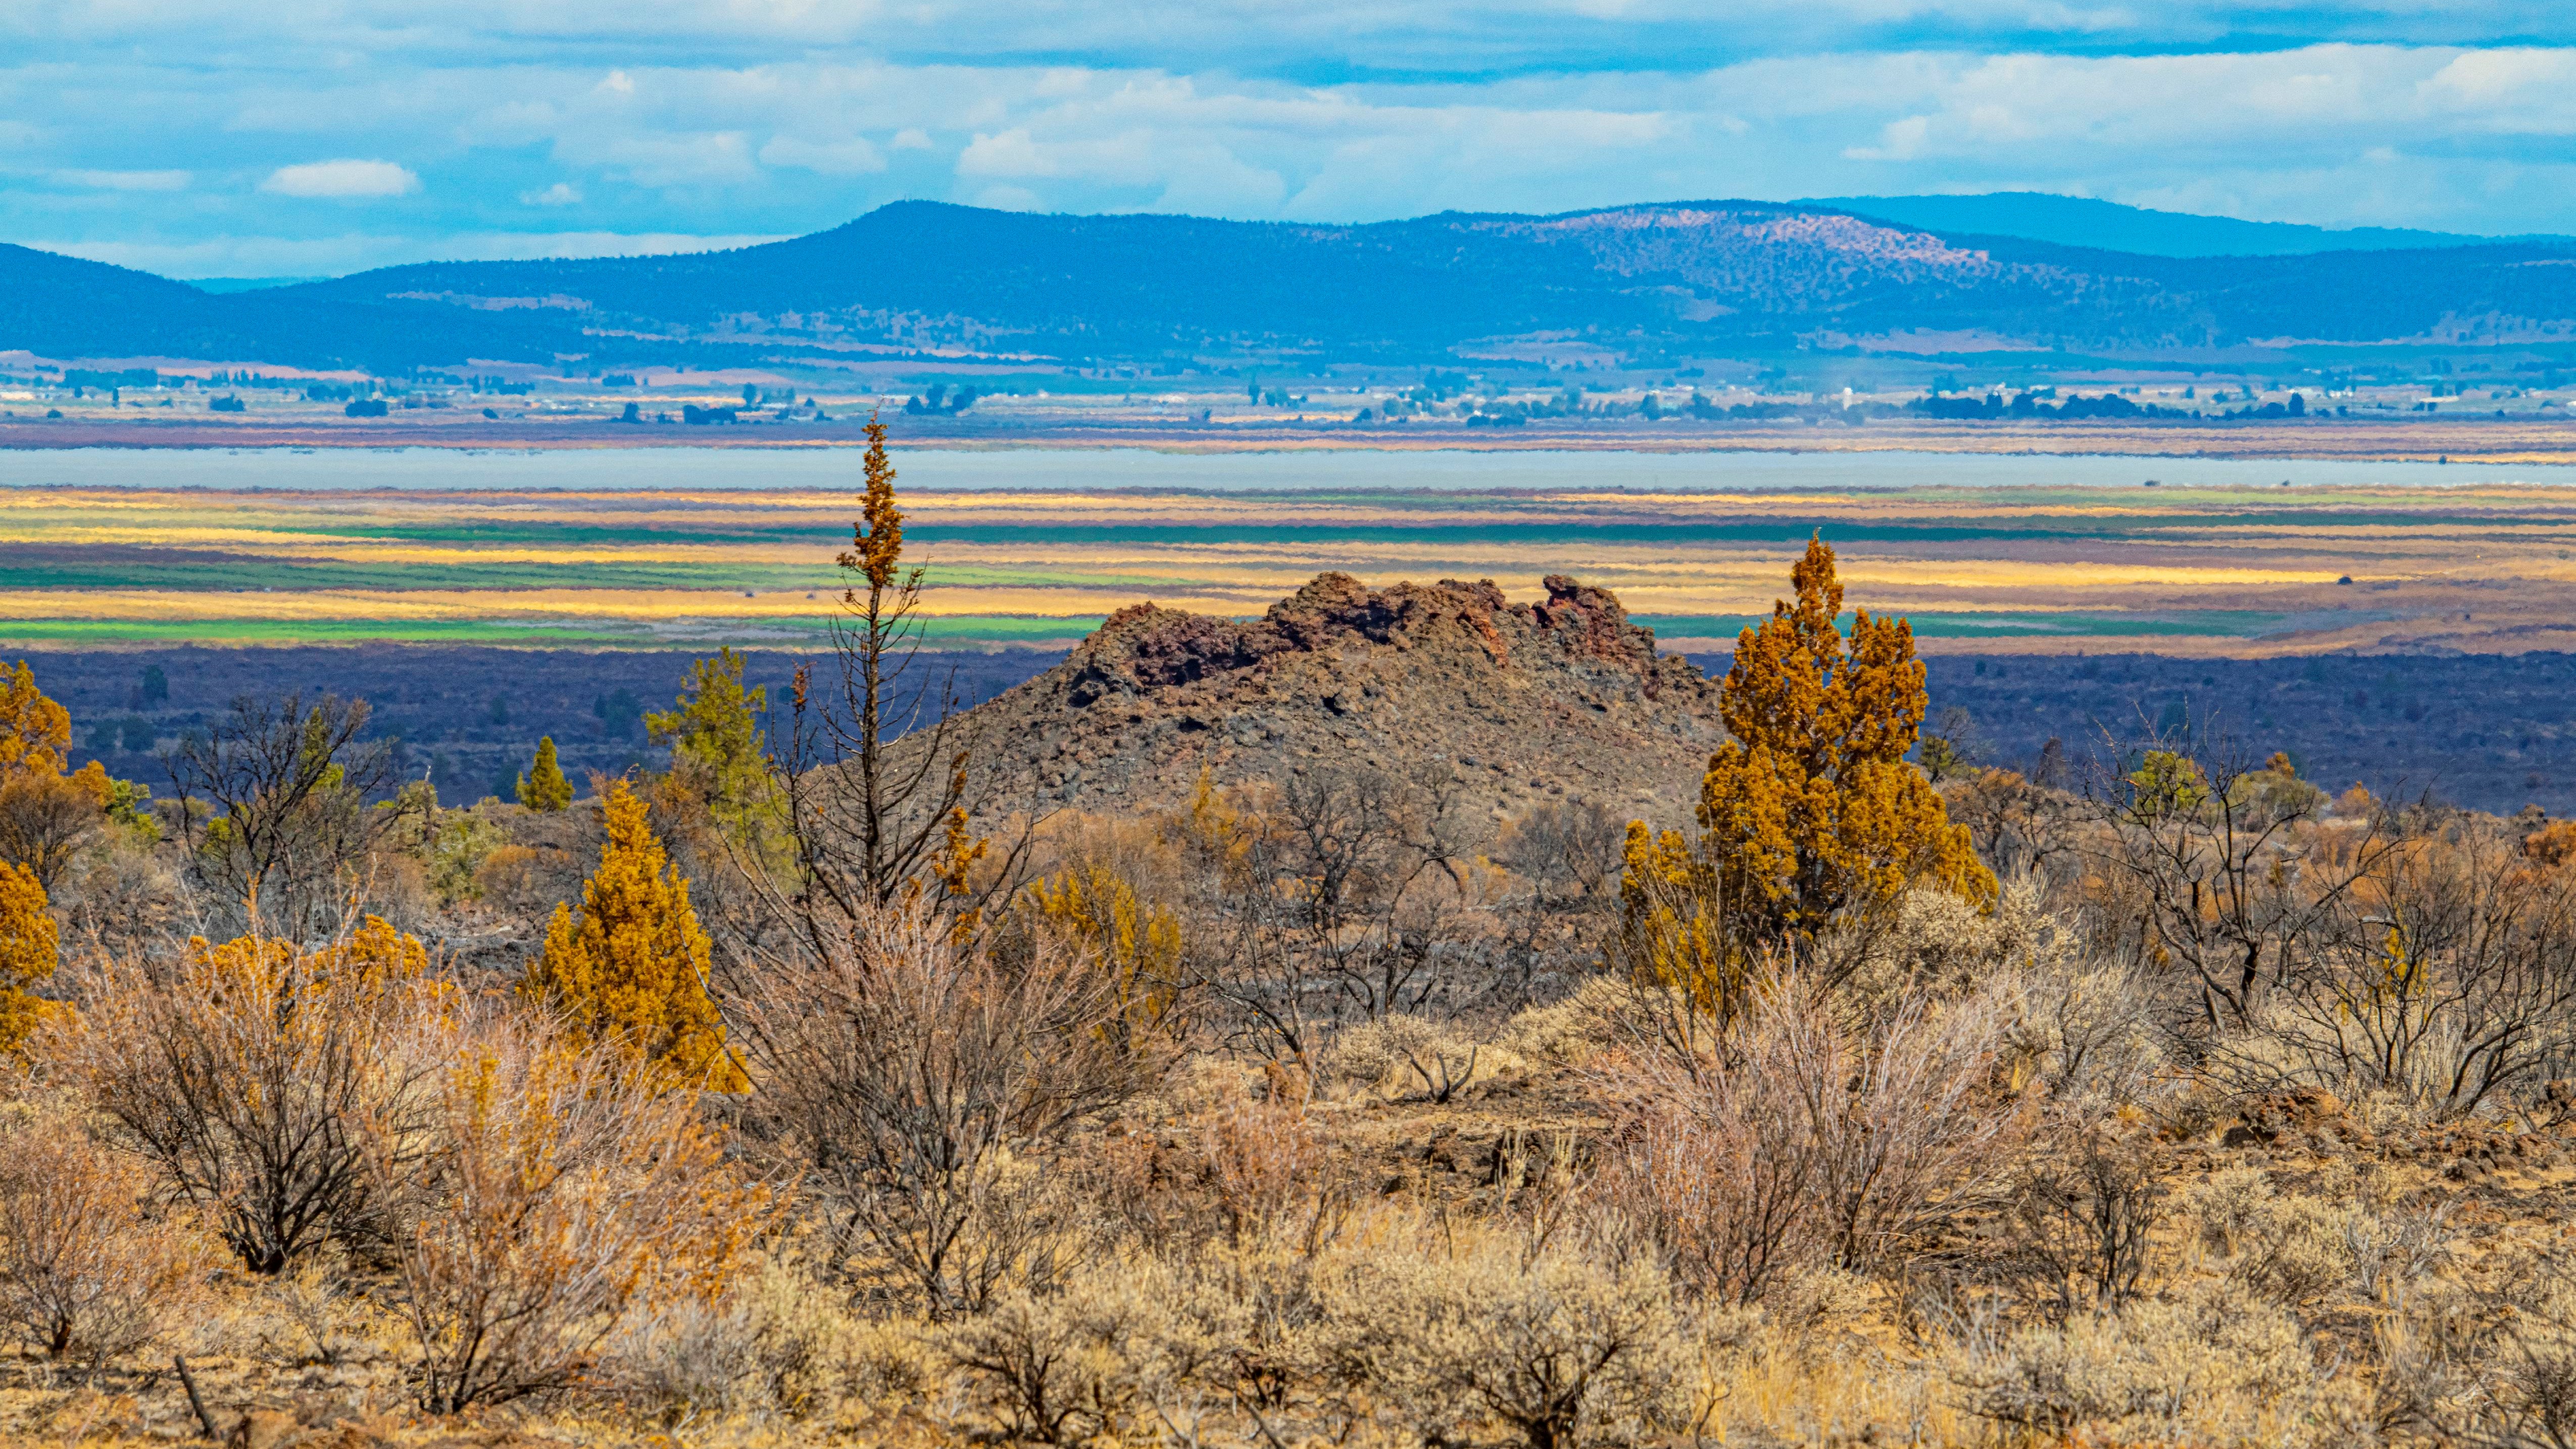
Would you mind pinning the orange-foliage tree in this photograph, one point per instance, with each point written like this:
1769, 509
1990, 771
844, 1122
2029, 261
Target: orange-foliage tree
1137, 942
45, 815
35, 732
1811, 810
631, 965
28, 942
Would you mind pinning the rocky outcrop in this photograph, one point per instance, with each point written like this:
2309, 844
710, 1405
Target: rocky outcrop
1562, 698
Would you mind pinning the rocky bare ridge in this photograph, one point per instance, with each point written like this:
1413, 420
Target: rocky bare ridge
1562, 699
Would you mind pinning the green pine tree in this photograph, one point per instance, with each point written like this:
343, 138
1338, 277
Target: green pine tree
544, 787
718, 753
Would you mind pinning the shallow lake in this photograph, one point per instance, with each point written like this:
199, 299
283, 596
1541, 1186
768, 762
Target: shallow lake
589, 469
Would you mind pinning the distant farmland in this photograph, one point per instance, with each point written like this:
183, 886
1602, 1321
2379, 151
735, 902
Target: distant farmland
2203, 570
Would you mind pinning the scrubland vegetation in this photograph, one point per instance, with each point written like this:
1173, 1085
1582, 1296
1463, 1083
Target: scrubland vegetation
803, 1094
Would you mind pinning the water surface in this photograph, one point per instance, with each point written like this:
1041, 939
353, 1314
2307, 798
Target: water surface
592, 469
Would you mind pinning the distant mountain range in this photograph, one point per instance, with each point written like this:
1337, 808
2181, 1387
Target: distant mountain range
1649, 284
2081, 221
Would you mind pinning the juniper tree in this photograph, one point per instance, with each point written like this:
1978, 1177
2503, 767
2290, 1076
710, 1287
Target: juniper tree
718, 753
1811, 807
630, 967
28, 942
543, 788
1808, 812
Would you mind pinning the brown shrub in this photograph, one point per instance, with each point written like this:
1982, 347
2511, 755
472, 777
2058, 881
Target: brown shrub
244, 1076
87, 1271
122, 900
896, 1066
45, 819
2439, 976
531, 880
1721, 1168
2084, 1210
1264, 1160
547, 1193
2299, 1250
1807, 1138
1061, 1367
2552, 844
1544, 1341
1905, 1139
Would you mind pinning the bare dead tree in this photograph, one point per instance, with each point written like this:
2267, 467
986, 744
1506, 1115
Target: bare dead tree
45, 820
2448, 974
1369, 864
1565, 859
2232, 880
1336, 895
273, 804
2019, 826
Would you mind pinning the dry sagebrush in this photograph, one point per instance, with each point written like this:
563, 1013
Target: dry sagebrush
895, 1066
1808, 1136
89, 1270
243, 1078
546, 1193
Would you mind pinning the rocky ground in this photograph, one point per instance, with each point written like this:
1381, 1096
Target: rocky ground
1560, 698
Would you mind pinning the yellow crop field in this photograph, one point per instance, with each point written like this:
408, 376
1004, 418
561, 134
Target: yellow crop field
2195, 569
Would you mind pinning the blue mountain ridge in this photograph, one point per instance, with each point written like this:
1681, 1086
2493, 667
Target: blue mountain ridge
1712, 278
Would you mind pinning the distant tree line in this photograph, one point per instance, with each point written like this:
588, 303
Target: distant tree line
2031, 404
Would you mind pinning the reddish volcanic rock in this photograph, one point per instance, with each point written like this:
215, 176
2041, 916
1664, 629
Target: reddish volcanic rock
1558, 699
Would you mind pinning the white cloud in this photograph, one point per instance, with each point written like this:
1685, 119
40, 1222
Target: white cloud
1897, 141
342, 179
723, 126
124, 180
852, 156
2492, 77
258, 256
1011, 153
661, 158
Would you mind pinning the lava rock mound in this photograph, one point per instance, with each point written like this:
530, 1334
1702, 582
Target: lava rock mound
1562, 699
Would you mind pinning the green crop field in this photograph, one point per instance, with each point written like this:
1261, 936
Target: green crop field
2235, 570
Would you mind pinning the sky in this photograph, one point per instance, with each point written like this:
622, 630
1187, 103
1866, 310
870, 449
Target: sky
223, 138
